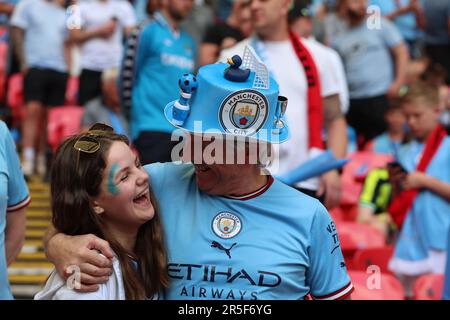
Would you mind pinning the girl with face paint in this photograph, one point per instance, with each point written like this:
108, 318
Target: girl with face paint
107, 193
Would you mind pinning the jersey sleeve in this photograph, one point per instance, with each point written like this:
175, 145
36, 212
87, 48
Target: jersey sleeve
127, 15
18, 196
327, 274
20, 15
391, 34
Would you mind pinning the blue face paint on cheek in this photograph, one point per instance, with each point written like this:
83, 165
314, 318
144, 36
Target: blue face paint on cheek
112, 188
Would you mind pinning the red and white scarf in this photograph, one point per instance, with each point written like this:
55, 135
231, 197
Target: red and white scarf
314, 98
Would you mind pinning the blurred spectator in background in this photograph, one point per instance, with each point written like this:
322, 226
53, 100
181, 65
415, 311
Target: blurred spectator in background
14, 198
312, 91
422, 205
335, 21
301, 23
377, 191
103, 23
374, 201
223, 8
409, 18
375, 59
6, 10
106, 109
39, 34
198, 21
144, 9
157, 55
223, 35
390, 141
437, 32
436, 75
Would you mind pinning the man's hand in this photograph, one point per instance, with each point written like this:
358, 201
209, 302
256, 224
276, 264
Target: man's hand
394, 90
330, 185
107, 30
88, 252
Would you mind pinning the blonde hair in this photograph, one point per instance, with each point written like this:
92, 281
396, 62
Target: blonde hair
422, 93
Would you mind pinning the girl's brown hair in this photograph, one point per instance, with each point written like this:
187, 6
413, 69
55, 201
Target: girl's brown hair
75, 179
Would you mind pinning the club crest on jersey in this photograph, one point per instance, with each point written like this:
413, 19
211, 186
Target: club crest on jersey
243, 112
226, 225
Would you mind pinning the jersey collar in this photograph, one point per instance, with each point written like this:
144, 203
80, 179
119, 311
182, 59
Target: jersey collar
159, 17
254, 194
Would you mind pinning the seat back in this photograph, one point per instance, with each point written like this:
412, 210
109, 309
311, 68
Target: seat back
366, 257
429, 287
375, 286
63, 122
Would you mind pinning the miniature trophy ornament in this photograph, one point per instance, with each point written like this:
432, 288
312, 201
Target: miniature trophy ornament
181, 108
279, 113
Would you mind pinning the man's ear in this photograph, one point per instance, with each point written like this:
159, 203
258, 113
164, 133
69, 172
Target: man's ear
97, 208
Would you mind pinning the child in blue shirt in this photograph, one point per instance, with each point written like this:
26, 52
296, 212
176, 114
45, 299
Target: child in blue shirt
422, 243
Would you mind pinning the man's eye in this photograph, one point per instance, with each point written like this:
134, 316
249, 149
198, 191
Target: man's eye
123, 178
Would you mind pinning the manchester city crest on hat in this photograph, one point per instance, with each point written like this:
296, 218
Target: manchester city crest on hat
243, 112
226, 225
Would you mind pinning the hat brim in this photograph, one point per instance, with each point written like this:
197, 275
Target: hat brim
273, 137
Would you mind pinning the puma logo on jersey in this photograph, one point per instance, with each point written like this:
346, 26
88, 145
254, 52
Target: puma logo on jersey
217, 245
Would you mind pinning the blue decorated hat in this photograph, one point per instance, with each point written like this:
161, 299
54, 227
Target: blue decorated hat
239, 98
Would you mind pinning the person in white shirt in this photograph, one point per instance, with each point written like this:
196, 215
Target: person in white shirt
301, 23
100, 31
272, 43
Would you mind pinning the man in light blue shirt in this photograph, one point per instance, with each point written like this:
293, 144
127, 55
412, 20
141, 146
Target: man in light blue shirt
39, 36
163, 52
407, 16
375, 60
14, 198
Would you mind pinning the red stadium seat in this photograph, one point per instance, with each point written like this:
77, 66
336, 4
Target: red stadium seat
354, 236
373, 286
3, 60
63, 122
429, 287
380, 257
356, 171
15, 96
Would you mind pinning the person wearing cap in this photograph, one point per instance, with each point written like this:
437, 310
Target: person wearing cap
233, 231
313, 91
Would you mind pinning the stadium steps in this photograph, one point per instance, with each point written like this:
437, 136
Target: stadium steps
31, 269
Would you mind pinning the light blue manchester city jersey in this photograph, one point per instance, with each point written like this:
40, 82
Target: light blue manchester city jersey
163, 55
274, 244
13, 196
428, 221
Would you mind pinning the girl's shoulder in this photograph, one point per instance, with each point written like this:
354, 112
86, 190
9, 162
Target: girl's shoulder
57, 288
